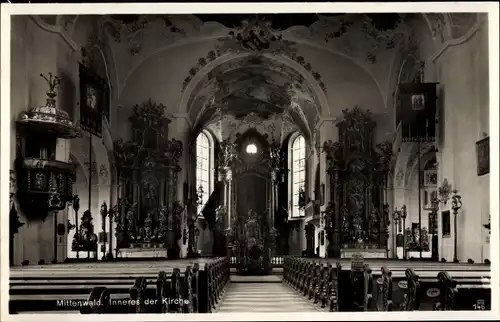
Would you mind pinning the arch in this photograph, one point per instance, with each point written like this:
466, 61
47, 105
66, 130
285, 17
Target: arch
297, 176
426, 153
78, 163
200, 76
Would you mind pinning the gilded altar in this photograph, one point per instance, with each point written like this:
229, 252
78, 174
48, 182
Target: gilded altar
357, 217
148, 214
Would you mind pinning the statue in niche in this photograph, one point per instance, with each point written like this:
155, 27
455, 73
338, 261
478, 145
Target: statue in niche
373, 224
162, 230
357, 230
344, 223
148, 223
252, 229
131, 221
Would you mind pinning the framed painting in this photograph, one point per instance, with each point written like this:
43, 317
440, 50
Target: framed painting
94, 100
483, 156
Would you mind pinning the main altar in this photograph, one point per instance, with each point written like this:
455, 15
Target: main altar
250, 198
357, 216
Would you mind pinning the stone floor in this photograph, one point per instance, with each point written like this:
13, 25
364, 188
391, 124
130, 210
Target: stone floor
262, 294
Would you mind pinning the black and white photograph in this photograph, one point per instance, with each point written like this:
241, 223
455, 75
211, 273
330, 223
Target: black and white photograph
250, 162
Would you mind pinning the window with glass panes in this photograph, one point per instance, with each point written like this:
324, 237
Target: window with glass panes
202, 167
298, 173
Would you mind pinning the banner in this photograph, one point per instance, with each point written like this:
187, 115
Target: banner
94, 101
416, 111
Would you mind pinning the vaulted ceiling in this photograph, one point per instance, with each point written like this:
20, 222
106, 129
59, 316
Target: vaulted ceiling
253, 82
253, 85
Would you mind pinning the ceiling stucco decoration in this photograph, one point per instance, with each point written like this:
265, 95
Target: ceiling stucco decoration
67, 22
461, 23
253, 84
131, 29
362, 36
256, 36
278, 127
437, 24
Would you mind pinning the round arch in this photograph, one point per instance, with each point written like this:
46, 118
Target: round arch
427, 153
190, 90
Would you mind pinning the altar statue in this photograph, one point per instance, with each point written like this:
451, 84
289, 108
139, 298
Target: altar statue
148, 223
130, 216
252, 229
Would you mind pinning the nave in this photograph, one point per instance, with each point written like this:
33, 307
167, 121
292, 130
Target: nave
212, 285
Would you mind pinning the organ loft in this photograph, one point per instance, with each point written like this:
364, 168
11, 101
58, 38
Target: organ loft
306, 150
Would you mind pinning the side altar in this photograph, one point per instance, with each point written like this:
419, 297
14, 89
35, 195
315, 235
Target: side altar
357, 217
148, 214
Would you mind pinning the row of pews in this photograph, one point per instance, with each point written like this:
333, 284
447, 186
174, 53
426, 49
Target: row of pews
393, 287
177, 286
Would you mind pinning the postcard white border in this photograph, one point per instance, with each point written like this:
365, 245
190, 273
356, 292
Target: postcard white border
491, 8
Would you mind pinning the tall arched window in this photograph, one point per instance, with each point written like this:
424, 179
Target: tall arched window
203, 168
298, 173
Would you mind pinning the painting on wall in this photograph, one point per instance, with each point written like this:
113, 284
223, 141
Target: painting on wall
483, 156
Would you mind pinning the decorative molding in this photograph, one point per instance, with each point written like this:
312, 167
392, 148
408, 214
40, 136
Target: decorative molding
323, 119
457, 41
184, 116
57, 30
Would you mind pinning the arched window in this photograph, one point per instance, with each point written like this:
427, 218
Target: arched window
203, 176
298, 173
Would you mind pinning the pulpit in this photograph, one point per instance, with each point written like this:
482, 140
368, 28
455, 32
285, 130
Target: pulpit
148, 214
357, 217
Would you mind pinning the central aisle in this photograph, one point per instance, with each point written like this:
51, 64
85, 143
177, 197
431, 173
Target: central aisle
268, 295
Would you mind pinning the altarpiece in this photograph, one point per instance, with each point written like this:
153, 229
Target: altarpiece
252, 198
357, 216
148, 212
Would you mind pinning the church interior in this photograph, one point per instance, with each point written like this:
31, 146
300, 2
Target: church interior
250, 162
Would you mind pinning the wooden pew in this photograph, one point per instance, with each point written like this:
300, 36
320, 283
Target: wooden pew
317, 282
411, 300
171, 290
396, 286
463, 294
384, 290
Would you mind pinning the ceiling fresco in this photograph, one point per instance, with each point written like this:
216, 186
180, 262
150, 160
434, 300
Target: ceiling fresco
253, 84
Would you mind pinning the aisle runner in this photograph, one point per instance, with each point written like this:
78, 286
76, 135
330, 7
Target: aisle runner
263, 297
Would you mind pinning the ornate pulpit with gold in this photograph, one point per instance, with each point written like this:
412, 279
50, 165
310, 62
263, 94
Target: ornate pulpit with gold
148, 212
